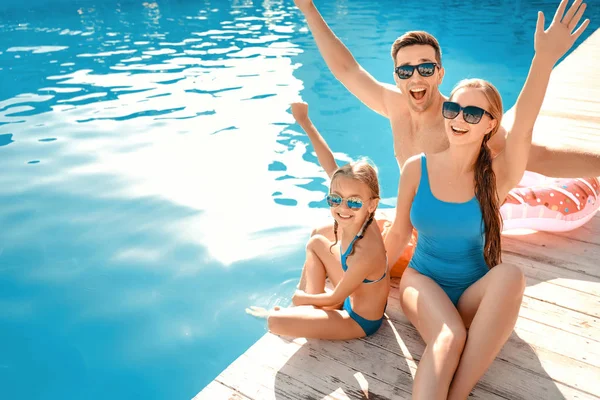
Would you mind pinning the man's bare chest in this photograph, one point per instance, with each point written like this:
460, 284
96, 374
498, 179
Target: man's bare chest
409, 142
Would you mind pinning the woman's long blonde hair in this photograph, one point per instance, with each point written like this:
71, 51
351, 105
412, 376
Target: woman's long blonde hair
485, 179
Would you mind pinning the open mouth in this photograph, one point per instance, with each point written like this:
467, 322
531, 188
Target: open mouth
459, 131
344, 216
418, 93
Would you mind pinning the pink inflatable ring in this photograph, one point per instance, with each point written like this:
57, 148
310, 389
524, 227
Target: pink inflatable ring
550, 204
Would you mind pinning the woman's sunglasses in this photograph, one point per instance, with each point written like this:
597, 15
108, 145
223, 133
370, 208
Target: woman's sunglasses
471, 114
406, 71
353, 203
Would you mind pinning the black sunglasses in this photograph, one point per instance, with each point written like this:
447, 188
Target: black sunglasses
406, 71
471, 114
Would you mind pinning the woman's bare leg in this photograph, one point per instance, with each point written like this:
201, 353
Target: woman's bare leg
430, 310
489, 308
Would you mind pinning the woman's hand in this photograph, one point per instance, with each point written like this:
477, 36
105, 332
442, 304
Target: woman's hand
553, 43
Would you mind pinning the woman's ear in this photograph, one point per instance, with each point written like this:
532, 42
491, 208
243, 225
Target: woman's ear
492, 125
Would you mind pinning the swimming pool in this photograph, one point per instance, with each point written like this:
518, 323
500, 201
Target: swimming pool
154, 186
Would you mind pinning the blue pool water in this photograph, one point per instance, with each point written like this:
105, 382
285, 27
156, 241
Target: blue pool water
154, 185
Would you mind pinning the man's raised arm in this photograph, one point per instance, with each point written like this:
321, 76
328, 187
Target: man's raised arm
343, 65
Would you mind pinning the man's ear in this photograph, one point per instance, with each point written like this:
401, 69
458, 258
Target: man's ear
441, 72
396, 79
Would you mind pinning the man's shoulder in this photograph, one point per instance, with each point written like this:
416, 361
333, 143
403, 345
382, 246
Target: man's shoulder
393, 97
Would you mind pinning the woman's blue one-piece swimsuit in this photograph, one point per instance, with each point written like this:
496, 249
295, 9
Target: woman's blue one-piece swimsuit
451, 239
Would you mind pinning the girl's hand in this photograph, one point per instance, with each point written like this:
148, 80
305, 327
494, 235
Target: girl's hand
299, 298
300, 111
303, 4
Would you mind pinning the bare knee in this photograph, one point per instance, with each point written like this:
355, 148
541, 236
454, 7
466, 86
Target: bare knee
512, 279
317, 243
450, 342
325, 231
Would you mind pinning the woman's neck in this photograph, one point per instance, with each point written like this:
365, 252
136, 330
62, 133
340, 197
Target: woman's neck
463, 157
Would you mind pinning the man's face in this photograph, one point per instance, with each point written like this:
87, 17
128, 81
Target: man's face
420, 90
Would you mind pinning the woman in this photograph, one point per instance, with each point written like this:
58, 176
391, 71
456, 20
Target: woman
456, 281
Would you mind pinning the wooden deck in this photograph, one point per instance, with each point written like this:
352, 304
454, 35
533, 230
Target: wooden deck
554, 351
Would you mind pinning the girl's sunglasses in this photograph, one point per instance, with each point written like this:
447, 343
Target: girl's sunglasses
406, 71
353, 203
471, 114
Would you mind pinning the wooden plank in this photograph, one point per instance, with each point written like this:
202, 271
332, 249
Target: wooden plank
558, 341
216, 390
571, 110
537, 363
570, 321
347, 369
561, 318
558, 251
558, 276
503, 379
380, 362
588, 233
565, 288
288, 370
563, 297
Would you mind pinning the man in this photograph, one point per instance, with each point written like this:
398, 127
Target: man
414, 105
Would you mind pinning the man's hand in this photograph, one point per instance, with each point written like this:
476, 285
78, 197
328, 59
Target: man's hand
554, 42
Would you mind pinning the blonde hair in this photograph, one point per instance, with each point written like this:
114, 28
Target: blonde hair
485, 179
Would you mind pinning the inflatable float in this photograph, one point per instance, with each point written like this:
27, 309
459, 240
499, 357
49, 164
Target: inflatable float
538, 203
550, 204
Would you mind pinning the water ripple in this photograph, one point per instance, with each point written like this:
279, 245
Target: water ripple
6, 139
36, 49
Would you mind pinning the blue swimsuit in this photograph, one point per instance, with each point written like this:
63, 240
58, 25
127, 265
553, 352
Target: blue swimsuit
369, 326
451, 239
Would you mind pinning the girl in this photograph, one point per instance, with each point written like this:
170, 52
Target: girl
456, 281
355, 262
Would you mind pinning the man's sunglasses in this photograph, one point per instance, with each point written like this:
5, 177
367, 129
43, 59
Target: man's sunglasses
406, 71
471, 114
353, 203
